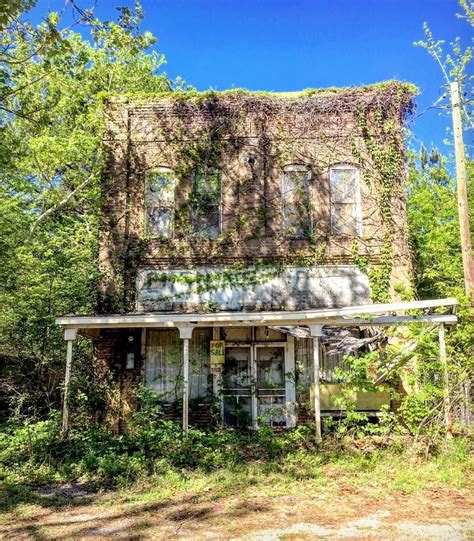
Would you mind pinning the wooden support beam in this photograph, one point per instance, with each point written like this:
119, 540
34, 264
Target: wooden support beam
185, 334
461, 182
316, 332
352, 315
185, 384
447, 398
69, 336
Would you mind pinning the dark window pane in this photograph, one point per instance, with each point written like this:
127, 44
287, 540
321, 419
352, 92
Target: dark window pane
206, 202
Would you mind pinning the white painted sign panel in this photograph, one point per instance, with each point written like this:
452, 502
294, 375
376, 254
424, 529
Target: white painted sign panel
214, 288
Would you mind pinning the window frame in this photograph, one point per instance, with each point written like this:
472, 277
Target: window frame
172, 208
219, 205
357, 203
298, 168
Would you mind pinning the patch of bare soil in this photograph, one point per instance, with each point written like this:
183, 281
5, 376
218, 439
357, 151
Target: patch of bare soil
351, 513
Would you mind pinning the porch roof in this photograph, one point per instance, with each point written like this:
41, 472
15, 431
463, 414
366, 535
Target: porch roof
429, 311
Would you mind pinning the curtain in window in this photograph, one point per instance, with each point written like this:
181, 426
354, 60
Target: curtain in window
163, 370
163, 364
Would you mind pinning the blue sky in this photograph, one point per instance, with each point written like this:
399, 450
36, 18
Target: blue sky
282, 45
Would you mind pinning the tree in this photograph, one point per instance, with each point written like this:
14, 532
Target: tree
51, 120
454, 67
438, 273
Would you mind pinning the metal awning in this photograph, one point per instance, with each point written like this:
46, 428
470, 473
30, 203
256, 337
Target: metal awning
437, 312
429, 311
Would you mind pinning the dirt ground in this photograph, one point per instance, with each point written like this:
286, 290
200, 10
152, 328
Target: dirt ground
76, 512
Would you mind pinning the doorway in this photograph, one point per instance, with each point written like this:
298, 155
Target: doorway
258, 385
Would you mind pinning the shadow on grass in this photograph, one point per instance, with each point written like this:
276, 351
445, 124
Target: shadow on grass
56, 496
78, 510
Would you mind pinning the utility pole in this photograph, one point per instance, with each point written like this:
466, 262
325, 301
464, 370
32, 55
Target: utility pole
461, 181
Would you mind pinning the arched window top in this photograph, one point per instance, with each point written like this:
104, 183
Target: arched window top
344, 165
161, 180
297, 167
159, 168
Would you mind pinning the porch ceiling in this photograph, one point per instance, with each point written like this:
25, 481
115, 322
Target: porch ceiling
371, 314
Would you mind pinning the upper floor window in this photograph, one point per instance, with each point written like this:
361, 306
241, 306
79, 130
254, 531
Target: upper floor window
206, 203
295, 200
345, 200
159, 202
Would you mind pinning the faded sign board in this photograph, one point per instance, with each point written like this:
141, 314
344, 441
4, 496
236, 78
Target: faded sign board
217, 351
213, 288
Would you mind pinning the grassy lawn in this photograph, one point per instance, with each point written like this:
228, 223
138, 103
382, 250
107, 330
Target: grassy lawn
364, 493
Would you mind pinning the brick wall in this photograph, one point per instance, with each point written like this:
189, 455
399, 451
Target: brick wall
143, 134
110, 351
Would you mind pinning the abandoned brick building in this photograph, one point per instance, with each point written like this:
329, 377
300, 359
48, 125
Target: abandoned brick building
244, 238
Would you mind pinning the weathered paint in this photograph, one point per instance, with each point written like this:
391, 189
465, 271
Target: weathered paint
293, 289
363, 400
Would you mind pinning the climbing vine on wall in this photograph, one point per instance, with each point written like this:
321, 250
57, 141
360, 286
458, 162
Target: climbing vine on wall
244, 138
383, 136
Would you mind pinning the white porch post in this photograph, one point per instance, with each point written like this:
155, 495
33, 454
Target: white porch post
290, 384
447, 399
185, 334
69, 335
316, 332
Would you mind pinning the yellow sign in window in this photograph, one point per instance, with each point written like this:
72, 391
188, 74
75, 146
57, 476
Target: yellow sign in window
217, 352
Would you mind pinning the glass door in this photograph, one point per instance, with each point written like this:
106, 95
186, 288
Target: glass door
270, 388
237, 396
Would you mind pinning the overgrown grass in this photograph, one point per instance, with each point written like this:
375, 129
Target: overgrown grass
156, 461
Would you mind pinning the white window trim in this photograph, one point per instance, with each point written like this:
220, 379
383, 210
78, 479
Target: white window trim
159, 169
299, 168
358, 216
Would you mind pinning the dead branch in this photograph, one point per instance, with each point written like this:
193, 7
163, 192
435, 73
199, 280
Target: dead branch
61, 203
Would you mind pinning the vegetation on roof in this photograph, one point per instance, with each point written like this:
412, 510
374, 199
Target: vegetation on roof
193, 94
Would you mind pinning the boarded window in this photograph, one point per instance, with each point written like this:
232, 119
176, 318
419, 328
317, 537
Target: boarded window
159, 202
304, 365
237, 334
295, 200
345, 201
329, 363
206, 203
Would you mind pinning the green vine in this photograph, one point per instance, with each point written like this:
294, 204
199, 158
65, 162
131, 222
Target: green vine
382, 133
201, 150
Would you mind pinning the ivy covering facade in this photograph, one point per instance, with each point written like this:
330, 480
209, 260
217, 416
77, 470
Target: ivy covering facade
247, 202
225, 158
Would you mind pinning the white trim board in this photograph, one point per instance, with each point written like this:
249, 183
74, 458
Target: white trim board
371, 314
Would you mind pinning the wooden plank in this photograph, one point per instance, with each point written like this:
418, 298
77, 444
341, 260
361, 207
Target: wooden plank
185, 384
133, 322
447, 398
355, 314
317, 387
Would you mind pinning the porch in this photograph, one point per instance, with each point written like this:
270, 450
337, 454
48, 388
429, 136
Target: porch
252, 358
